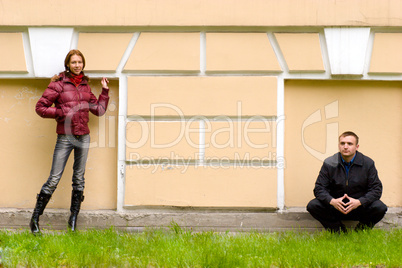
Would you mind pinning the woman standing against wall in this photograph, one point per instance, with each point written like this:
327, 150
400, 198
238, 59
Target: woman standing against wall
72, 98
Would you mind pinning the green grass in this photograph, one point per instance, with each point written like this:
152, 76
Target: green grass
183, 248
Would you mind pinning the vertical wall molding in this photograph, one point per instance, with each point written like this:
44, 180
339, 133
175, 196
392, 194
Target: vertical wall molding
280, 123
121, 150
280, 143
203, 53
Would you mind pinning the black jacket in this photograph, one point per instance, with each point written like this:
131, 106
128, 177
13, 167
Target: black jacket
362, 182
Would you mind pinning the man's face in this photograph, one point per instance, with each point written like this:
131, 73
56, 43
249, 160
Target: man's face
348, 147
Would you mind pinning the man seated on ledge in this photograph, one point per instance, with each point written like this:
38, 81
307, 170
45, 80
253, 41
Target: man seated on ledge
347, 188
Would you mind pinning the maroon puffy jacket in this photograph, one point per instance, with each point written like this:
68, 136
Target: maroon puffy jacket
71, 105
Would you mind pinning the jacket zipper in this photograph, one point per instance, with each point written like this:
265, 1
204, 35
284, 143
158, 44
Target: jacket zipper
347, 178
79, 97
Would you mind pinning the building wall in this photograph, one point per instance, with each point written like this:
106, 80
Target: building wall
213, 104
371, 108
27, 143
203, 13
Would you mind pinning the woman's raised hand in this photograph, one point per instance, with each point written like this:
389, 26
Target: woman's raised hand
104, 82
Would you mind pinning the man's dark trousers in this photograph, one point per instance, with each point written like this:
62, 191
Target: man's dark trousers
331, 218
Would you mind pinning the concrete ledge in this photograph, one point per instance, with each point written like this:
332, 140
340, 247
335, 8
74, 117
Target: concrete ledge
297, 219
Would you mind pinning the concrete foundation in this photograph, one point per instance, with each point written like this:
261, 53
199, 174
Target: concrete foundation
297, 219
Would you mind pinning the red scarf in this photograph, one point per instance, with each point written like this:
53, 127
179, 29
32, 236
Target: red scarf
77, 79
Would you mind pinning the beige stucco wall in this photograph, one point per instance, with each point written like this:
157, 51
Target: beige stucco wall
241, 139
180, 51
103, 51
371, 109
173, 117
12, 53
203, 13
200, 186
306, 55
161, 140
386, 56
27, 142
229, 52
206, 96
208, 82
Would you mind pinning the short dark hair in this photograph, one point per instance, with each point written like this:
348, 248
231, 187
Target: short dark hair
349, 133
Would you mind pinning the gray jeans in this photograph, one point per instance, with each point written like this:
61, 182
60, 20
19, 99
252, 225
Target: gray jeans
64, 145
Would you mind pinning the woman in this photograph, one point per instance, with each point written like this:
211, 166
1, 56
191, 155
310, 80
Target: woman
72, 98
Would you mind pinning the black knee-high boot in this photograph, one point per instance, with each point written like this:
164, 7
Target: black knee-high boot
76, 199
41, 201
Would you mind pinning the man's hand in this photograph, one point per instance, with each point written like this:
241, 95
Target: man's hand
352, 204
339, 204
343, 207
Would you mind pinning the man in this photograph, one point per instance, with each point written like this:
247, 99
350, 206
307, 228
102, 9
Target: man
347, 188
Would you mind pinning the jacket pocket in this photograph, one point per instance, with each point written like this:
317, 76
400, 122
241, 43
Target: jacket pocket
60, 116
